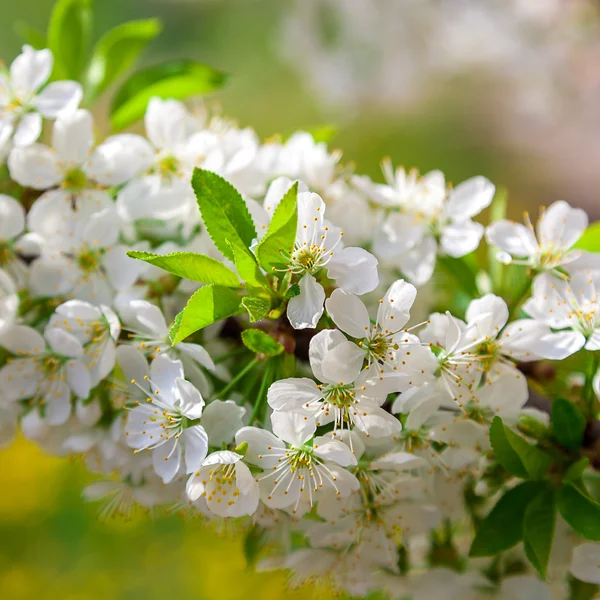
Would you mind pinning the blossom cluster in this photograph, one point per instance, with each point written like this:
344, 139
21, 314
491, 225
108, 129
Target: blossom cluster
352, 443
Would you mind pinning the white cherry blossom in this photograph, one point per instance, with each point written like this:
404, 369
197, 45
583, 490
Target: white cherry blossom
346, 396
548, 246
46, 370
12, 225
90, 264
97, 328
75, 175
485, 345
25, 98
297, 467
319, 247
226, 484
150, 335
585, 564
387, 345
162, 189
423, 219
9, 301
167, 422
567, 305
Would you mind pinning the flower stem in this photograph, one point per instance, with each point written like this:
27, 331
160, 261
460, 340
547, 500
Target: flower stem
518, 300
237, 378
262, 392
589, 395
229, 355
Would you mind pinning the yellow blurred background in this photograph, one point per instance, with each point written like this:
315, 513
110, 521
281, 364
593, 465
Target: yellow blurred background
54, 546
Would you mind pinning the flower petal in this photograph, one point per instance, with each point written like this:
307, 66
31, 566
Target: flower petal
12, 217
73, 136
514, 238
166, 459
354, 270
343, 363
29, 71
222, 420
394, 309
418, 263
57, 97
191, 401
349, 313
58, 405
469, 198
294, 394
195, 442
461, 238
150, 317
22, 340
260, 443
28, 129
63, 343
78, 378
561, 225
334, 451
488, 305
119, 158
320, 345
35, 166
167, 123
293, 427
585, 564
163, 374
305, 310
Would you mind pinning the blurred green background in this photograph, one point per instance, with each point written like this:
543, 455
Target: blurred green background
52, 544
243, 38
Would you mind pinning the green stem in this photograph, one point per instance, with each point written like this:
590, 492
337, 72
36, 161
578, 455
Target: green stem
519, 299
262, 392
496, 268
229, 355
589, 395
237, 378
460, 271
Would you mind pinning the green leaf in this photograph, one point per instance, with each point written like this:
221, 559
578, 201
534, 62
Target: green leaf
535, 461
254, 542
224, 212
505, 453
178, 79
323, 133
517, 455
538, 528
30, 35
247, 268
293, 291
68, 37
568, 424
503, 527
581, 590
197, 267
576, 471
580, 512
261, 343
116, 51
257, 307
281, 234
208, 305
590, 240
